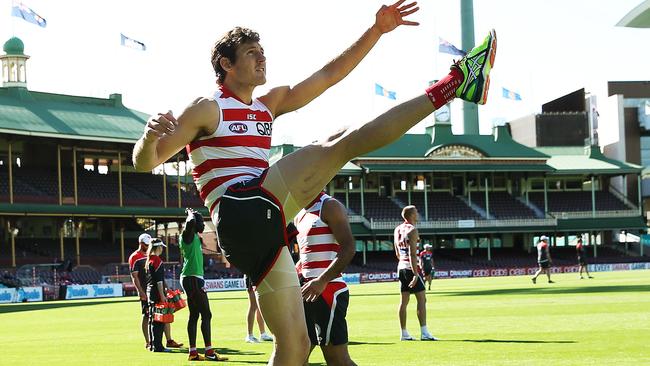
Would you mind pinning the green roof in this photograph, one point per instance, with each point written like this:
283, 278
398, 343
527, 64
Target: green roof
24, 112
279, 151
432, 166
497, 145
585, 160
14, 46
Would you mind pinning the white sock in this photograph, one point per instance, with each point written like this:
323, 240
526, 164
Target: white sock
424, 330
405, 333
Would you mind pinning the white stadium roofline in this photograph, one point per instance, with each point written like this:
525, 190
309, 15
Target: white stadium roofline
638, 17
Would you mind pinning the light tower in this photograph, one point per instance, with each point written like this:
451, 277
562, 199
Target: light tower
14, 68
470, 110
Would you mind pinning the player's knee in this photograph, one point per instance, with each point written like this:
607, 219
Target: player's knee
296, 347
194, 316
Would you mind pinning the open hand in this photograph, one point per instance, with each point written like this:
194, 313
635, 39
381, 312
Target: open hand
390, 17
312, 290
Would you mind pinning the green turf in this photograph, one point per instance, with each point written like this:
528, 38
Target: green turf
483, 321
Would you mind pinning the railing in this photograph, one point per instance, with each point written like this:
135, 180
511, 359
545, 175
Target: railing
597, 214
464, 224
622, 197
358, 219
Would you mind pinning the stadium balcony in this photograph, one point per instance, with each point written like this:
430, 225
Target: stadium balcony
571, 203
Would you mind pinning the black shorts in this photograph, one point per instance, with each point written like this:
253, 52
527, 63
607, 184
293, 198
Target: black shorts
544, 265
582, 261
427, 271
251, 228
193, 286
144, 304
405, 278
325, 317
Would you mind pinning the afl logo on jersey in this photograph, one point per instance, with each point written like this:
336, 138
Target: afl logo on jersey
238, 128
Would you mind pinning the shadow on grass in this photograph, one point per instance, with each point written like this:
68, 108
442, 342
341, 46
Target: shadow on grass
538, 290
369, 343
502, 341
30, 306
225, 351
228, 352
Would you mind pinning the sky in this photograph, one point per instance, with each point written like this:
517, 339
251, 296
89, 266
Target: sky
546, 48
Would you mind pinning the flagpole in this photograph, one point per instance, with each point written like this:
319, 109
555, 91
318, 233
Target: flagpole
13, 21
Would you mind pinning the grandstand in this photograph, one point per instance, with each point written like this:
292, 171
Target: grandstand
70, 199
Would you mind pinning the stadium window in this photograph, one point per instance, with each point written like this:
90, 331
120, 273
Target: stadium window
402, 185
461, 243
537, 185
420, 184
18, 162
499, 181
2, 162
441, 183
5, 73
574, 184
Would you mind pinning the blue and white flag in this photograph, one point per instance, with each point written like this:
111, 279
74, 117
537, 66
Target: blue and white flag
28, 15
446, 47
509, 94
132, 43
379, 90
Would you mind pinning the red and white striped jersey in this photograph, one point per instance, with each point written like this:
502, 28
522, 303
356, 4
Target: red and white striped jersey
318, 247
237, 151
401, 241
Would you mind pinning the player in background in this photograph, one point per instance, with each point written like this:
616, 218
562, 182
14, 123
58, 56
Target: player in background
426, 263
155, 292
406, 240
543, 259
326, 247
252, 315
194, 287
581, 251
138, 276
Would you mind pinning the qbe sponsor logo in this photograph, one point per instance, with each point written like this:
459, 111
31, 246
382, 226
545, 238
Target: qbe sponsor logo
481, 273
499, 272
517, 271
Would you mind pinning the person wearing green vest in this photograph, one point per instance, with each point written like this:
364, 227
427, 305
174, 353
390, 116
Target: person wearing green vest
194, 286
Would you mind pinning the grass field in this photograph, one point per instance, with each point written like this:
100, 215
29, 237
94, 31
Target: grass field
482, 321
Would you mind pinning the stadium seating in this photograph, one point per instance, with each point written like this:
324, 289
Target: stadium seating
442, 206
376, 207
576, 201
503, 205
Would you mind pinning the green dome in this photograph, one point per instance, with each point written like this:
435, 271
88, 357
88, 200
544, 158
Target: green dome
14, 46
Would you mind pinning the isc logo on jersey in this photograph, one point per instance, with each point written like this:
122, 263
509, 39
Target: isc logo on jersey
238, 128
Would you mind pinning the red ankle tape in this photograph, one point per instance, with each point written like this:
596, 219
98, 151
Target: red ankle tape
444, 91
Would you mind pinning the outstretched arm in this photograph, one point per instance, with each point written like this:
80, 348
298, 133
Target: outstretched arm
335, 216
286, 99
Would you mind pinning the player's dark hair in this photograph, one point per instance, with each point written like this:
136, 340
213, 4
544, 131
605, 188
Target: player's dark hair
227, 47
